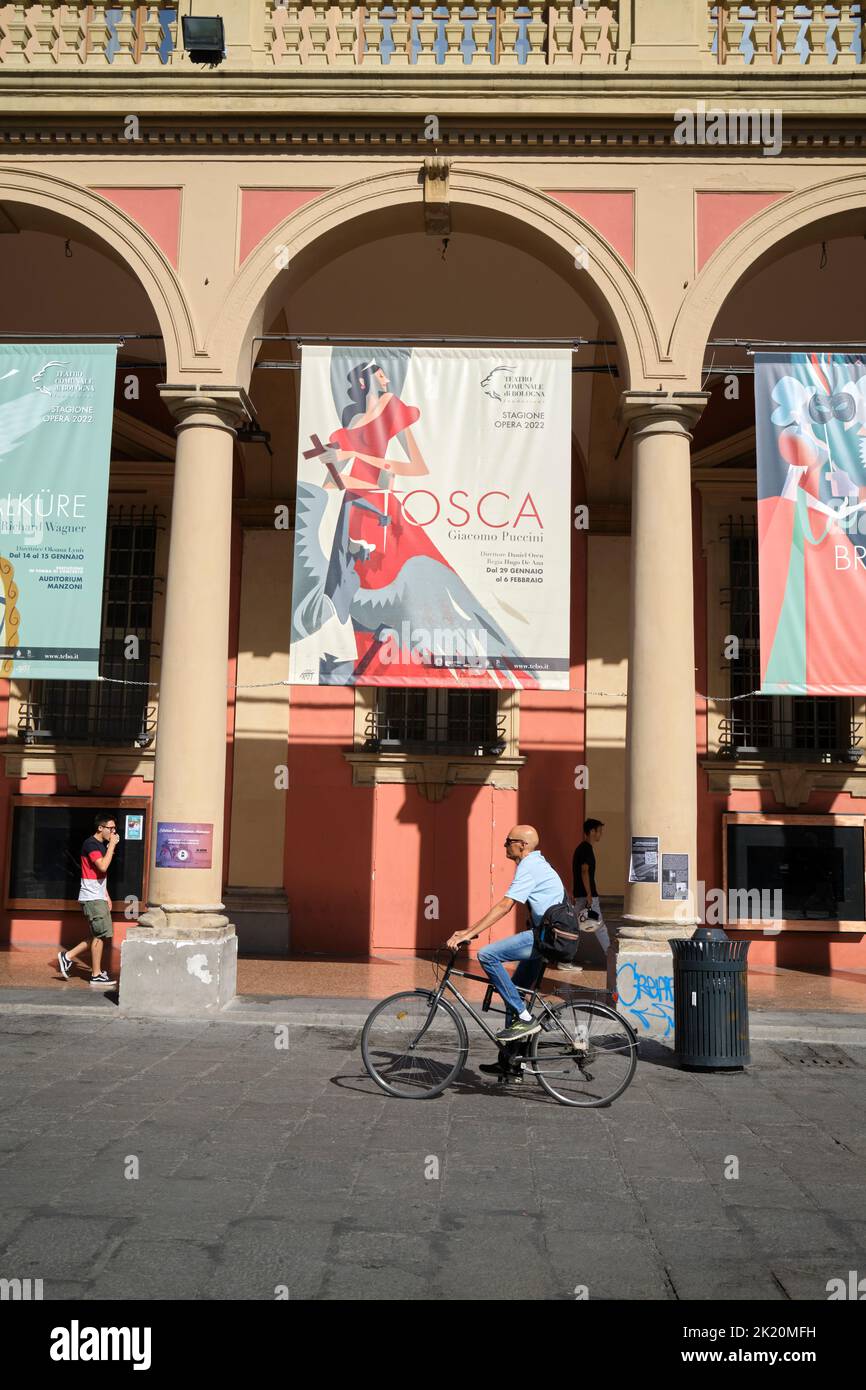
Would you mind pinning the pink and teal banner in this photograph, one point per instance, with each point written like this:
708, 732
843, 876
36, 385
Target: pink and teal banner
811, 446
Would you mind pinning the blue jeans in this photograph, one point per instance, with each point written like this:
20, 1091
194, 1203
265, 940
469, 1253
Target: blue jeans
520, 948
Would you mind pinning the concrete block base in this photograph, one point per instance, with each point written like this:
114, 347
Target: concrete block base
179, 968
645, 981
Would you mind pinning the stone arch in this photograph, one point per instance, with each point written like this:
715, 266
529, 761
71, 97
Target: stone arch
111, 230
610, 282
792, 220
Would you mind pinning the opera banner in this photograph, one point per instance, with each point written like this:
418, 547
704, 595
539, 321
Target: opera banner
811, 442
433, 523
56, 405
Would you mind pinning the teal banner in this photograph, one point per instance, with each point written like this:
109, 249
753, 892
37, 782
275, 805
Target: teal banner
56, 405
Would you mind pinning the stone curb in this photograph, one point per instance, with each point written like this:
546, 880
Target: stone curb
347, 1017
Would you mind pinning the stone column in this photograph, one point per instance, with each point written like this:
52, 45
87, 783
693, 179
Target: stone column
182, 957
661, 766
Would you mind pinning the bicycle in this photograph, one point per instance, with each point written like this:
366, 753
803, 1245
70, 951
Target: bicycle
584, 1055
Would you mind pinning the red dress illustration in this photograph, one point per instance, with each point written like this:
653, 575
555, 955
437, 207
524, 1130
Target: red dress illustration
388, 547
392, 544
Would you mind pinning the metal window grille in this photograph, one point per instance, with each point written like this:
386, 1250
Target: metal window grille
106, 714
796, 728
447, 721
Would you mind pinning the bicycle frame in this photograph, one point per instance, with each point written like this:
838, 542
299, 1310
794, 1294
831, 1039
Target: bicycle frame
531, 995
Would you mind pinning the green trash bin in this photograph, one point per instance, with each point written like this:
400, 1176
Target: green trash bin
711, 1002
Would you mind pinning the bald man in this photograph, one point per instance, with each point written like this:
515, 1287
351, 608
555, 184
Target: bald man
537, 885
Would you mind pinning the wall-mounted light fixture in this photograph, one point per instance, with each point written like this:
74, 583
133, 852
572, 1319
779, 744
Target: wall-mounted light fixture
204, 39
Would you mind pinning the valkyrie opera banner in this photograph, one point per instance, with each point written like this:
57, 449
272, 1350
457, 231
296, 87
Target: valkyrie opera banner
811, 439
56, 406
433, 523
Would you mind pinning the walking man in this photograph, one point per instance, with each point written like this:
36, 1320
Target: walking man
537, 885
586, 894
97, 853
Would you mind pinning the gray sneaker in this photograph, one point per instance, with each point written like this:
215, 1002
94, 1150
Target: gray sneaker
519, 1030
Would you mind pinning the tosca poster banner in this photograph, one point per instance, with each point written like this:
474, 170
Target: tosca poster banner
811, 442
56, 406
433, 524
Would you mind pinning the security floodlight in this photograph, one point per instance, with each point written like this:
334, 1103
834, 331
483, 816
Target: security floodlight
204, 39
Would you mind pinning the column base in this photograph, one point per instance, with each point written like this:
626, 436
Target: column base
179, 962
645, 978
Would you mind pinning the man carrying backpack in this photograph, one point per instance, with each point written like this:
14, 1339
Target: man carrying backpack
537, 885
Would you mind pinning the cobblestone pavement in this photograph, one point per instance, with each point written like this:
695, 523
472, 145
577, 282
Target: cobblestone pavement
263, 1169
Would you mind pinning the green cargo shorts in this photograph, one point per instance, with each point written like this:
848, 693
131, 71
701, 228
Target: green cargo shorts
99, 917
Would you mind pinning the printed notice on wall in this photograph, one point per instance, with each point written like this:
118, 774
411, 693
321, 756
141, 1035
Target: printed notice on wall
184, 846
643, 864
675, 876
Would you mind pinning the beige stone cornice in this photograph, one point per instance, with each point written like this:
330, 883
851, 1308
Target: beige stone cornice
554, 131
650, 92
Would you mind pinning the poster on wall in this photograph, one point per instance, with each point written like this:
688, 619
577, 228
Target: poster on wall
433, 524
56, 405
184, 845
675, 877
811, 448
643, 864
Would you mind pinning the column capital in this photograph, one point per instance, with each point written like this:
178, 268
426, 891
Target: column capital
220, 407
661, 412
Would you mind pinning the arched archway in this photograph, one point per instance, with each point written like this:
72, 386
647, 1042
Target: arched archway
832, 209
44, 202
606, 282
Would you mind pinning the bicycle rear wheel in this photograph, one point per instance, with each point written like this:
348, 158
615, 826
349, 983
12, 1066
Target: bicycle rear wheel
411, 1049
587, 1056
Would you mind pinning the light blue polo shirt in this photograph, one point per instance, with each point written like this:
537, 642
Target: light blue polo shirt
536, 884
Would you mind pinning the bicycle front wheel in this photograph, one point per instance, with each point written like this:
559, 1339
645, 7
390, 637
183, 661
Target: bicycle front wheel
586, 1055
413, 1049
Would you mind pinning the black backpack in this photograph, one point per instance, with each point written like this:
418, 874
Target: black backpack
558, 933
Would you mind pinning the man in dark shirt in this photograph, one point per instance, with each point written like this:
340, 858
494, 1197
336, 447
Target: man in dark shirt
586, 893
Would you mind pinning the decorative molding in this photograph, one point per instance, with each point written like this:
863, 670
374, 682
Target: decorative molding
199, 134
433, 774
437, 205
84, 768
791, 784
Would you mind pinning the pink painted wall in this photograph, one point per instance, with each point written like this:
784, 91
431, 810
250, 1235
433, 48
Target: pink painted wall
156, 210
717, 215
361, 861
43, 928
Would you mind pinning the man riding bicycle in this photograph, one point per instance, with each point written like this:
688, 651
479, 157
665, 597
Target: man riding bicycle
537, 885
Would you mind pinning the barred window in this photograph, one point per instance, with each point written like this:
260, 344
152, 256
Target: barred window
447, 721
798, 728
102, 713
